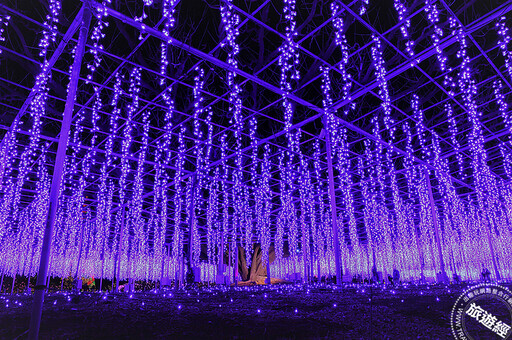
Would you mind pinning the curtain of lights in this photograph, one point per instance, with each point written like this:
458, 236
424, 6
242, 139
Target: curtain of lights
417, 194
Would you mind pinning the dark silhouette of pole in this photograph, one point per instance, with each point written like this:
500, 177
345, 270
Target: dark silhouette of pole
235, 268
37, 308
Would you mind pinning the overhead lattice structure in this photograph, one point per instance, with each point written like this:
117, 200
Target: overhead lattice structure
339, 136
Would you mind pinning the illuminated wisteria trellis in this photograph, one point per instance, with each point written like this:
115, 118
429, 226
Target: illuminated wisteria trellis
331, 138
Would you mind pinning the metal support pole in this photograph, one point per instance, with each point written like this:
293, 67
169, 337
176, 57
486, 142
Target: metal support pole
182, 272
235, 267
77, 277
162, 267
420, 252
220, 269
453, 263
117, 270
336, 240
35, 320
229, 259
305, 277
319, 273
13, 281
49, 271
312, 263
176, 265
2, 281
102, 264
268, 280
191, 224
436, 226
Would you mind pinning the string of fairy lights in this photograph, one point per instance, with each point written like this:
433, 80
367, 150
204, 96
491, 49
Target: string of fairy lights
401, 10
273, 195
4, 22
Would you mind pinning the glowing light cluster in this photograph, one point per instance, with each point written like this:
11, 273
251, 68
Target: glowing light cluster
304, 184
502, 105
289, 60
50, 32
90, 156
223, 227
437, 35
177, 236
96, 36
505, 38
507, 160
168, 9
230, 22
104, 217
421, 129
167, 137
327, 101
401, 10
390, 215
321, 234
4, 22
380, 72
37, 110
279, 236
468, 88
127, 131
343, 166
122, 235
266, 201
195, 247
341, 42
247, 211
363, 6
38, 104
453, 138
211, 217
198, 131
507, 119
136, 219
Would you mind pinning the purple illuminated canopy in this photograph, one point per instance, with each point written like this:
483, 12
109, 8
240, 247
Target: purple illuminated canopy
339, 137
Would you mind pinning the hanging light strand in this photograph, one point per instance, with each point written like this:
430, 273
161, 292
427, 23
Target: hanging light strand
288, 61
168, 10
363, 6
453, 138
4, 22
50, 31
401, 10
96, 36
503, 32
341, 42
380, 73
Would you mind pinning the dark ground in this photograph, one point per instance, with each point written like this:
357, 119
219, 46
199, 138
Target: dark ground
278, 312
